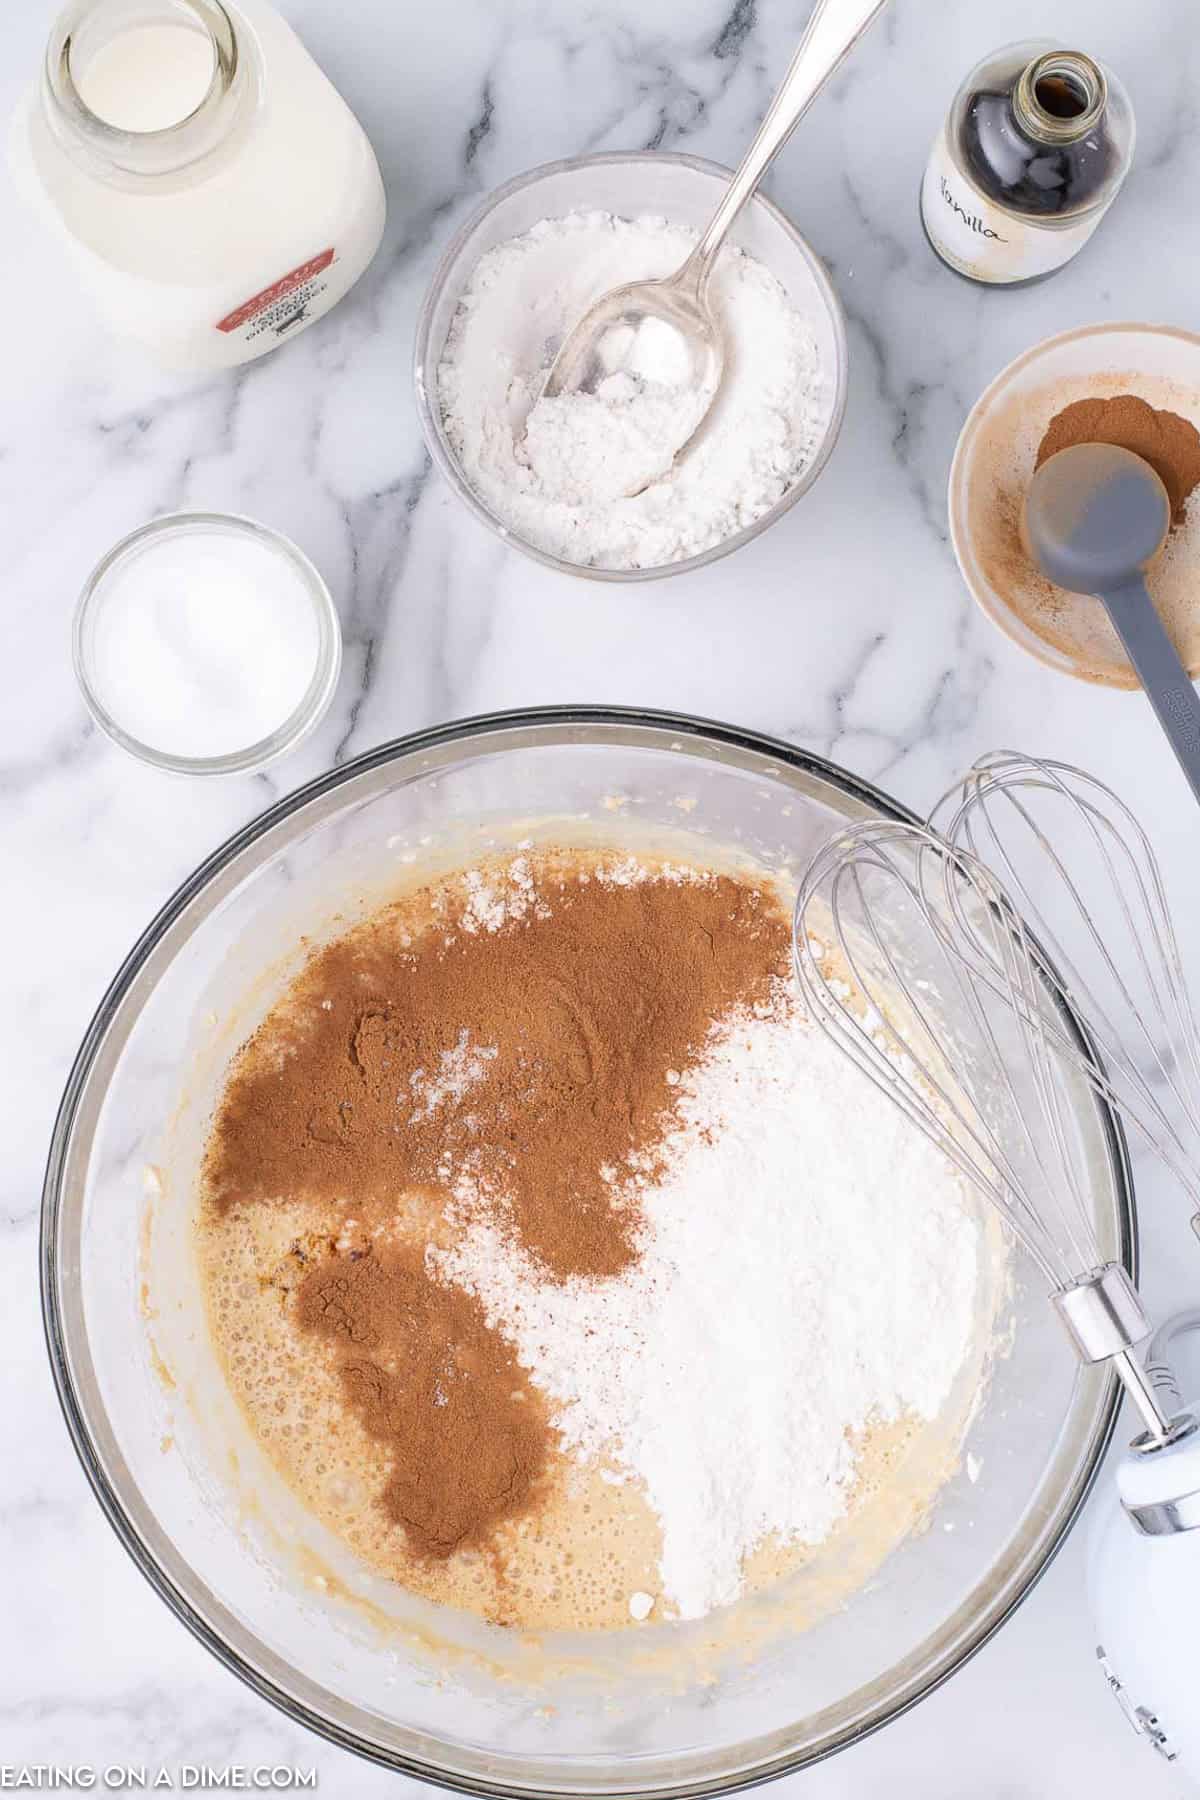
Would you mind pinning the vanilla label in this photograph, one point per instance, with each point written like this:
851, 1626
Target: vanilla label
986, 241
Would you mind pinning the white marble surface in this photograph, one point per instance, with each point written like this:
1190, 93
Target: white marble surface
846, 629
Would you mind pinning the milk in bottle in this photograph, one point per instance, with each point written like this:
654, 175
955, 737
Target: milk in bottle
214, 189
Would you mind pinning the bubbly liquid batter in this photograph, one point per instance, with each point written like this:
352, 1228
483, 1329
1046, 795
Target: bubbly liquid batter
587, 1543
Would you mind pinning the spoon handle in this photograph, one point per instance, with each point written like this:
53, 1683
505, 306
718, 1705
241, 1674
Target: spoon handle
833, 29
1163, 676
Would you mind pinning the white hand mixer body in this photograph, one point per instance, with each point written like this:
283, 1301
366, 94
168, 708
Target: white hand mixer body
1145, 1599
1144, 1583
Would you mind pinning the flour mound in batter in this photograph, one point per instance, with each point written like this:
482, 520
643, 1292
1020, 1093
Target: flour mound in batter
561, 1265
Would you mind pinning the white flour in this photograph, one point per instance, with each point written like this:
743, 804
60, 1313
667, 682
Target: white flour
510, 893
611, 444
568, 486
459, 1070
810, 1267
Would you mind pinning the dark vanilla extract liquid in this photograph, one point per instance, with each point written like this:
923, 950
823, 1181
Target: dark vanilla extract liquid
1014, 169
1033, 152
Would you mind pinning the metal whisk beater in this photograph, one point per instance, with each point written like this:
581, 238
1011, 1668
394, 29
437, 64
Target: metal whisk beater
1080, 869
914, 960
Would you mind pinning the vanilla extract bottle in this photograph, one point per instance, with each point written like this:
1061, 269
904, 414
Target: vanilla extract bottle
1035, 148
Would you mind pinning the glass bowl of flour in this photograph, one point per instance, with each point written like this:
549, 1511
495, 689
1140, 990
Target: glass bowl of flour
653, 1705
587, 484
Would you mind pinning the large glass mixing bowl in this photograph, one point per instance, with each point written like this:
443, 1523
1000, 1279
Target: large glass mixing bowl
193, 1498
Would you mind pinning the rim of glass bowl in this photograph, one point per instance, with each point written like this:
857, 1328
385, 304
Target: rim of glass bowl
304, 717
427, 750
425, 376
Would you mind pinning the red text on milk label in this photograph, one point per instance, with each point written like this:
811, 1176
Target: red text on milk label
287, 302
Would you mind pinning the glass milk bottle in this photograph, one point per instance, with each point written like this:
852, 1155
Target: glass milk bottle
215, 191
1031, 157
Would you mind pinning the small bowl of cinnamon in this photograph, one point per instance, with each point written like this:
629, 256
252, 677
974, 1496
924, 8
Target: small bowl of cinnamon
1128, 384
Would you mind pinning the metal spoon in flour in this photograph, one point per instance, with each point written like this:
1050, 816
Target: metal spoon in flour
1095, 518
605, 341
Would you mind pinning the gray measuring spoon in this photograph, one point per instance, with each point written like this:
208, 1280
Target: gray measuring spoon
1095, 517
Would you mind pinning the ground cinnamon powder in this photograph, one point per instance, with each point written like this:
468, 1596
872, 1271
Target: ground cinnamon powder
469, 1438
1170, 444
540, 1059
578, 1020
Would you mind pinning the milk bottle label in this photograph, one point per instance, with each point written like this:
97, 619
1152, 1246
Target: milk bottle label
287, 303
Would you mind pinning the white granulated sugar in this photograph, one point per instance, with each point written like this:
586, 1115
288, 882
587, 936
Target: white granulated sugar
809, 1267
206, 640
564, 474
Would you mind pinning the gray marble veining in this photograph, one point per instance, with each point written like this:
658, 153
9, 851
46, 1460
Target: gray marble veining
846, 629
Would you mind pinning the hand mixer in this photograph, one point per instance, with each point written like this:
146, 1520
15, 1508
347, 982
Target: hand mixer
914, 957
1083, 873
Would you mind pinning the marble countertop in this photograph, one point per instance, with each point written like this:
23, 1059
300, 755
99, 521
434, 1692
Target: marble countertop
845, 629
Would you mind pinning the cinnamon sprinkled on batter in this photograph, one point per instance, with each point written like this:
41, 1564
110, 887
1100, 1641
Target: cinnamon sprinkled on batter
537, 1056
422, 1369
520, 1054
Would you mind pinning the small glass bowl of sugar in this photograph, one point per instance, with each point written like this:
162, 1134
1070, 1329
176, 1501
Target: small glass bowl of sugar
206, 644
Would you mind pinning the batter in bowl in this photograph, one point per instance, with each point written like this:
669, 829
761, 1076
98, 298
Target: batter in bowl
563, 1269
